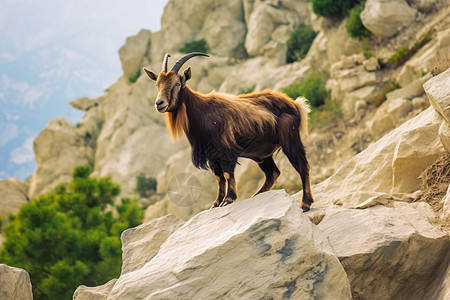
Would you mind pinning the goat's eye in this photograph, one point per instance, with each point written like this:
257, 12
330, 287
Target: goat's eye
178, 84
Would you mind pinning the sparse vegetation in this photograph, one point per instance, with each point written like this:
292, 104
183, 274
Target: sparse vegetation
326, 114
380, 98
134, 78
145, 186
195, 46
312, 88
299, 43
71, 236
404, 53
367, 49
354, 26
332, 8
247, 90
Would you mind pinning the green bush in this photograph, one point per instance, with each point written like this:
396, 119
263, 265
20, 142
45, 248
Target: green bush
71, 236
299, 43
312, 88
354, 26
145, 186
332, 8
195, 46
135, 77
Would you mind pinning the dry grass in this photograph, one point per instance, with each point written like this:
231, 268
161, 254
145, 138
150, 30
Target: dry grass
435, 182
442, 63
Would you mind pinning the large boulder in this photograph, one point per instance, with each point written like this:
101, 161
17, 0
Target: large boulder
14, 283
140, 244
384, 167
387, 252
385, 18
260, 247
133, 54
58, 149
220, 23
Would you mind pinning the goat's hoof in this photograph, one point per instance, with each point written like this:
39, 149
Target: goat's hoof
305, 208
225, 202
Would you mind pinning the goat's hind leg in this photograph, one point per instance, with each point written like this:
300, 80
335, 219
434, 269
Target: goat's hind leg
271, 171
295, 152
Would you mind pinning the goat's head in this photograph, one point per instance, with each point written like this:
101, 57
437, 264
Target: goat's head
170, 83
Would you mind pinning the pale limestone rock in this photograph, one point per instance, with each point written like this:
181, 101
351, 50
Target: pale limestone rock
372, 170
262, 22
132, 53
58, 149
84, 103
385, 18
100, 292
419, 103
220, 23
281, 260
444, 135
438, 91
411, 90
371, 64
422, 4
387, 252
415, 151
388, 115
269, 24
140, 244
398, 108
14, 283
13, 195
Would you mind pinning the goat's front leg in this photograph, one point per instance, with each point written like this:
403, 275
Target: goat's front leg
222, 182
232, 193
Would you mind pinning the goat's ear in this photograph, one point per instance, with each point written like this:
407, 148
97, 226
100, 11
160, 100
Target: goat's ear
186, 77
151, 74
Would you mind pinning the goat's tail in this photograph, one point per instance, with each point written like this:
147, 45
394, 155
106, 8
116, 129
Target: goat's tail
304, 109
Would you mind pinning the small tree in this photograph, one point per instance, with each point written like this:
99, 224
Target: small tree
299, 42
145, 185
71, 236
333, 8
195, 46
312, 88
354, 26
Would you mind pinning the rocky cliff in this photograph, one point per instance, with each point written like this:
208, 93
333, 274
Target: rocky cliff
368, 236
380, 222
122, 135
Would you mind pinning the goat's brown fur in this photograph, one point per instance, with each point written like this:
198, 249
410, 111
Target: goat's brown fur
222, 127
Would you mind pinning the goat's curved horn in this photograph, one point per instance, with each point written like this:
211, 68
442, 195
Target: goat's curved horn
165, 61
177, 66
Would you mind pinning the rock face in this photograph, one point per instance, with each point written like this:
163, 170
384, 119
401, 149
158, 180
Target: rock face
387, 252
204, 258
14, 283
58, 149
133, 55
13, 195
385, 18
145, 240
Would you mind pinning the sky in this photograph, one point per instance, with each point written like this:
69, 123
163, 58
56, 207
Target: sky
52, 52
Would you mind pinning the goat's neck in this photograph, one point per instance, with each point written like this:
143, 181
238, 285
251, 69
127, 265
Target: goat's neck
194, 106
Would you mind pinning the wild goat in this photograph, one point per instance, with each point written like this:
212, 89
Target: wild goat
222, 127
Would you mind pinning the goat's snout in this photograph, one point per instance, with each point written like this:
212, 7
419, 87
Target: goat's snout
161, 105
